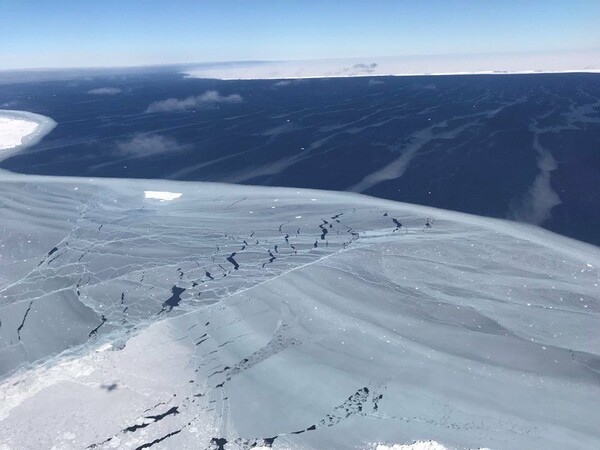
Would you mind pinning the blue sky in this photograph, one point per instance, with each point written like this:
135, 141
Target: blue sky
81, 33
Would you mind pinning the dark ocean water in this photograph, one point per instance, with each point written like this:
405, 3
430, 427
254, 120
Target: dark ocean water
525, 147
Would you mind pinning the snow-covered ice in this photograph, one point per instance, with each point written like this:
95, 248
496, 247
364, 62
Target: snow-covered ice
472, 332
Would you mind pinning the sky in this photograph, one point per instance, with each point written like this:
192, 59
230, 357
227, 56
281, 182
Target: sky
103, 33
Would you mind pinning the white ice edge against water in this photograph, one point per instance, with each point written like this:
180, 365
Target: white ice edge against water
204, 75
20, 129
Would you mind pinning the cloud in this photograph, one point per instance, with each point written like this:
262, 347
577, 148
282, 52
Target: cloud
145, 144
105, 91
284, 83
197, 101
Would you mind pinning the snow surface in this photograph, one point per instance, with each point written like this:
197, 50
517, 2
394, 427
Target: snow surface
240, 317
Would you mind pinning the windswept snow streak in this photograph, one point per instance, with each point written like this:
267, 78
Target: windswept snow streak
237, 317
537, 204
410, 148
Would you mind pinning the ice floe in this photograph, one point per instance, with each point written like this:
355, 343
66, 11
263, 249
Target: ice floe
198, 324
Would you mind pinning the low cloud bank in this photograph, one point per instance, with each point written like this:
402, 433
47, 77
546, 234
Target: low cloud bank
198, 101
144, 144
105, 91
284, 83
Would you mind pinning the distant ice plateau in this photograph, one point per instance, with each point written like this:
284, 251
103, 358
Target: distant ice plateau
153, 313
509, 63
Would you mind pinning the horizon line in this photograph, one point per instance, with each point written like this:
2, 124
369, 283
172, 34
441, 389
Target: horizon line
242, 61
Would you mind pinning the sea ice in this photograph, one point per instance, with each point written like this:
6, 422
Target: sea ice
197, 322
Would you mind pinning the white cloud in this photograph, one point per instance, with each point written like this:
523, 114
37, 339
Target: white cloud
197, 101
284, 83
105, 91
144, 144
